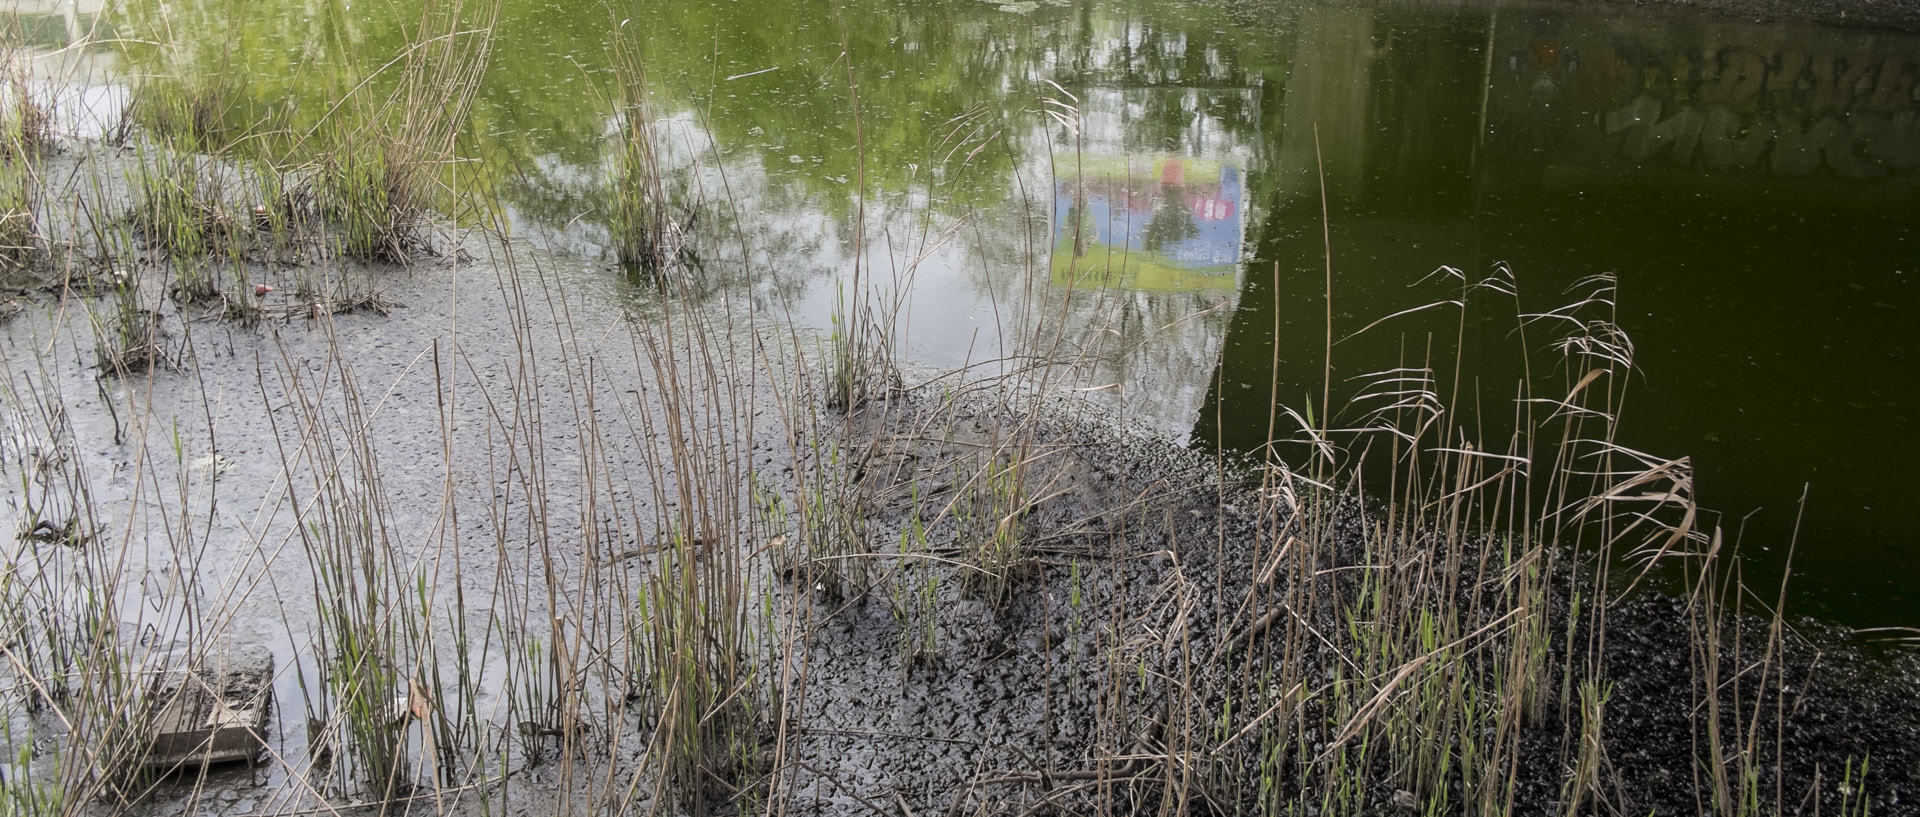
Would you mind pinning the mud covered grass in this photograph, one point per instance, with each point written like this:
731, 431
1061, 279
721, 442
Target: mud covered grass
538, 544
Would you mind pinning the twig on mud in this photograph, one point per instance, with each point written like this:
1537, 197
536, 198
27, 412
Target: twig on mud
386, 804
843, 789
979, 768
317, 306
629, 555
862, 733
1056, 794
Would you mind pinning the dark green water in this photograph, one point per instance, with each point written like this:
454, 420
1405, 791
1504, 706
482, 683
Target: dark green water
1752, 186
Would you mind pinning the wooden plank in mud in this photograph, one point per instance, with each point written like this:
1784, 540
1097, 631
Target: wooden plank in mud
210, 714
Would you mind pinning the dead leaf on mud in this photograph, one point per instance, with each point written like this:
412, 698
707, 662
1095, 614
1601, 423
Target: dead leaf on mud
420, 704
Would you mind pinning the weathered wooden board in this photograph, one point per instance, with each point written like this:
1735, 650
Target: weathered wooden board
211, 714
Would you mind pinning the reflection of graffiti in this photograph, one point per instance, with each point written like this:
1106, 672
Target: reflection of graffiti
1159, 222
1790, 113
1858, 146
1743, 80
1839, 105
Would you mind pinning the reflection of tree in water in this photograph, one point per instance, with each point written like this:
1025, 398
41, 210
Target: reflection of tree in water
1076, 221
1172, 223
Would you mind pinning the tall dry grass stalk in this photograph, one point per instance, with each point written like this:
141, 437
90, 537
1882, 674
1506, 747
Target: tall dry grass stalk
378, 670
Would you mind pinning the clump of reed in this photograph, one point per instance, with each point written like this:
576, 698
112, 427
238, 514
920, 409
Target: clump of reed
644, 237
377, 199
26, 117
211, 220
182, 213
860, 354
20, 239
372, 169
26, 131
382, 173
991, 512
917, 589
213, 181
377, 708
1747, 688
195, 111
693, 628
831, 536
1399, 645
129, 337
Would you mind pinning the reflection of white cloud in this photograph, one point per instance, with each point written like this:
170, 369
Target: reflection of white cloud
74, 8
68, 72
90, 112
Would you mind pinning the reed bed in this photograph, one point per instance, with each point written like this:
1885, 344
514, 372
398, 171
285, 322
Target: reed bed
692, 561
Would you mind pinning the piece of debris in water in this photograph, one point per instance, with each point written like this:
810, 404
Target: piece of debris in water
210, 714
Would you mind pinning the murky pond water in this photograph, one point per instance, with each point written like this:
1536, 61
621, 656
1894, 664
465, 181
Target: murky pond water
1753, 188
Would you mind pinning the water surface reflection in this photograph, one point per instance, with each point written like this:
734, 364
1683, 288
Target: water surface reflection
1144, 181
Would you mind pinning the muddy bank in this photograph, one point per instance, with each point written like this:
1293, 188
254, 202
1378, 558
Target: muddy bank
1113, 670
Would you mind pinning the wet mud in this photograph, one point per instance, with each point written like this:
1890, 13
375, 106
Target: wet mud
1125, 631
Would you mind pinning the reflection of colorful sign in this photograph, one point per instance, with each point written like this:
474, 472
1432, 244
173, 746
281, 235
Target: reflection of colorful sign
1146, 222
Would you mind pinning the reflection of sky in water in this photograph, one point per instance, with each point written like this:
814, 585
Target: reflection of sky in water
68, 70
